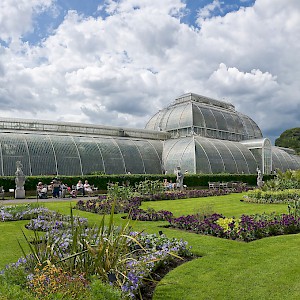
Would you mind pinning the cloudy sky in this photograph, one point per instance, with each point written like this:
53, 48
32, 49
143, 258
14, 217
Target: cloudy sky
118, 62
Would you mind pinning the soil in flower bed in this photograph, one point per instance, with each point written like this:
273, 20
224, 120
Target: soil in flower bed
149, 286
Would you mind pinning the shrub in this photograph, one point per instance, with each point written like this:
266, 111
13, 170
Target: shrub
104, 291
51, 280
276, 196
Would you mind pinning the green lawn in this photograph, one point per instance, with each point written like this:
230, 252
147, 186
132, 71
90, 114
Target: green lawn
263, 269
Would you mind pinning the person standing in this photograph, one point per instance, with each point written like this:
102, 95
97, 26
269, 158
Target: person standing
55, 188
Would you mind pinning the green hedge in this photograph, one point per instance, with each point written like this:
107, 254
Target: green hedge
101, 181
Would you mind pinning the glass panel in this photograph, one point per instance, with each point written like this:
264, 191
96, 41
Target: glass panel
230, 122
14, 149
152, 124
174, 119
281, 157
228, 159
257, 153
186, 119
131, 155
209, 118
68, 162
198, 119
214, 157
165, 119
276, 163
112, 157
151, 152
90, 155
267, 155
173, 150
221, 122
41, 153
202, 162
188, 157
249, 157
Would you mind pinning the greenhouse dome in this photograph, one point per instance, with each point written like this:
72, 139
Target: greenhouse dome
194, 114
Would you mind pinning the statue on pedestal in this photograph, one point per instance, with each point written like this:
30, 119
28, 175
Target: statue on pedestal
259, 180
179, 178
20, 181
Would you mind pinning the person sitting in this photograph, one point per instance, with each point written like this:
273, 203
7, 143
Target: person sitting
87, 188
41, 190
80, 187
171, 185
166, 183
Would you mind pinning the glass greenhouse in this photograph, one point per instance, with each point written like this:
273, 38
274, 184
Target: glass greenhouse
199, 134
75, 149
210, 136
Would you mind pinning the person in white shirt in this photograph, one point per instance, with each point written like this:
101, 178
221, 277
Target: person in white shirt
87, 188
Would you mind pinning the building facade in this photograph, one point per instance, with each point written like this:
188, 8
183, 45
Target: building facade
199, 134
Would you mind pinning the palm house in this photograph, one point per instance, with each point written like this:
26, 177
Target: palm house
199, 134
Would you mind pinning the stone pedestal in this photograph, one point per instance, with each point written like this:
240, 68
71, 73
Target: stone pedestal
20, 194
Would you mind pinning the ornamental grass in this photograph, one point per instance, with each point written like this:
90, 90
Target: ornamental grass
65, 259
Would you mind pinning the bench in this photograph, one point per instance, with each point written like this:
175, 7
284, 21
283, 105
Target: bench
12, 192
214, 185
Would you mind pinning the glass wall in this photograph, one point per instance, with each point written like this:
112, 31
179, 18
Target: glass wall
283, 160
204, 155
51, 154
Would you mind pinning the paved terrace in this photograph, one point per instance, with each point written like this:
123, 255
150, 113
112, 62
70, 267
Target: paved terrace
34, 200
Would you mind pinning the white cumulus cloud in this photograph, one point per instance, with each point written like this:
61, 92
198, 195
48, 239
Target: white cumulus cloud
121, 67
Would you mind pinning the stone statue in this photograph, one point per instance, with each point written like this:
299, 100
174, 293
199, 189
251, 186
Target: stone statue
20, 181
259, 180
179, 178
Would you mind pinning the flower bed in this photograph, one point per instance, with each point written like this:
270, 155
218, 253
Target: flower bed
20, 212
247, 228
149, 215
103, 204
285, 196
71, 253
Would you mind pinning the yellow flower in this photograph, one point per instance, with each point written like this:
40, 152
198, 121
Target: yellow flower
224, 223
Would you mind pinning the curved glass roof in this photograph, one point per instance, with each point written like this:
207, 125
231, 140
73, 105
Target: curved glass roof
204, 155
9, 124
44, 154
192, 114
283, 160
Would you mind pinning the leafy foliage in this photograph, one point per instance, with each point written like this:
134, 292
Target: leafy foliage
290, 138
275, 196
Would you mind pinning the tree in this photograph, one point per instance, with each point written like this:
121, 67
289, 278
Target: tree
290, 139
